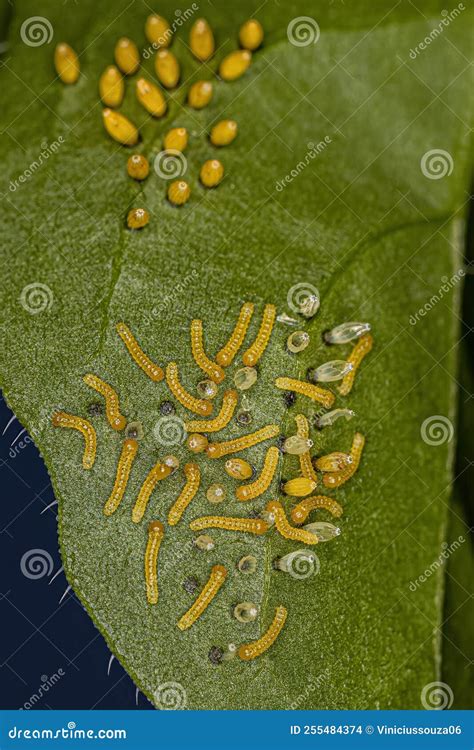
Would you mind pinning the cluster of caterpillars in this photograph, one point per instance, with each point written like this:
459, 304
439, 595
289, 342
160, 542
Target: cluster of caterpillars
335, 468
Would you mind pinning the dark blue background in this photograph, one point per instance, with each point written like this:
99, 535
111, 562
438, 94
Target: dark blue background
40, 635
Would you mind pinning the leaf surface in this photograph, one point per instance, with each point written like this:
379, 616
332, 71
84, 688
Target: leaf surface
358, 219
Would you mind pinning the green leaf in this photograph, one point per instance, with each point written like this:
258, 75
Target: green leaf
459, 606
357, 218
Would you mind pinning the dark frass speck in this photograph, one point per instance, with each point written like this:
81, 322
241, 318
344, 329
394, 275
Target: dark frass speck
215, 655
167, 407
191, 585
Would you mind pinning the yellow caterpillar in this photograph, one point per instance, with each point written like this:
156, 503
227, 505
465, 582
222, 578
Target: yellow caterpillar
193, 479
300, 512
158, 472
247, 525
216, 450
216, 579
255, 351
275, 508
264, 480
249, 651
116, 420
337, 478
155, 535
229, 403
360, 350
196, 405
212, 370
228, 352
127, 457
62, 419
306, 466
314, 392
153, 371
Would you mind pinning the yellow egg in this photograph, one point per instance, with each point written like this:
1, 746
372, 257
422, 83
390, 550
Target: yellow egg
234, 65
126, 56
224, 132
157, 30
137, 218
179, 192
212, 172
119, 127
138, 167
251, 34
151, 97
299, 487
196, 443
111, 87
176, 139
201, 40
167, 68
238, 468
66, 63
200, 94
